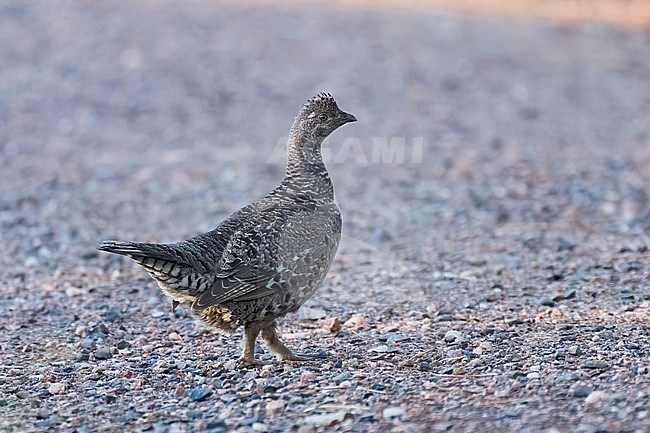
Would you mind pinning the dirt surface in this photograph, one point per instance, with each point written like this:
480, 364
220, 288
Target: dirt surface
495, 281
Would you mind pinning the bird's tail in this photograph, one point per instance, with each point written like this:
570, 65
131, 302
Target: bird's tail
160, 260
124, 248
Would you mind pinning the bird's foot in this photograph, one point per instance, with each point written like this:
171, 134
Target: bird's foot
290, 356
249, 362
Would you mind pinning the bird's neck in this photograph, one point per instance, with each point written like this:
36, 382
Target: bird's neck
306, 172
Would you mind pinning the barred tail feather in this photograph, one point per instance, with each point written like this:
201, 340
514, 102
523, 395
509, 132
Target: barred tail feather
123, 248
153, 257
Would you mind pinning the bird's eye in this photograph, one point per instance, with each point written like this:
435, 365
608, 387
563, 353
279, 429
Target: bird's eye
323, 117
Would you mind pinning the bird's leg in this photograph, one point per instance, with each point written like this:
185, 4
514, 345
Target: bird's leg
251, 331
174, 305
272, 340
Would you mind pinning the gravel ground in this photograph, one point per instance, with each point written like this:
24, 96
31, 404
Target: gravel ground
497, 280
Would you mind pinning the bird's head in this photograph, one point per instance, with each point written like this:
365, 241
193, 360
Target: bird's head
320, 116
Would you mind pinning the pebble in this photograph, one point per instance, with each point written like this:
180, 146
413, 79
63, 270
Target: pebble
565, 245
533, 375
574, 350
99, 331
275, 406
570, 294
199, 394
56, 388
157, 313
380, 349
451, 336
547, 302
307, 376
341, 377
230, 365
486, 346
354, 321
606, 335
594, 363
392, 412
312, 313
477, 261
596, 397
113, 313
260, 427
79, 332
103, 353
396, 338
266, 371
333, 324
327, 419
581, 391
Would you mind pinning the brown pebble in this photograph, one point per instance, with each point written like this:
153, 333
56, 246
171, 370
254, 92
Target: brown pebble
333, 324
179, 392
355, 321
275, 406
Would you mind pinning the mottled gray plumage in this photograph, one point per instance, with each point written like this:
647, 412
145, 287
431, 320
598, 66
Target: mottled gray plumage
269, 257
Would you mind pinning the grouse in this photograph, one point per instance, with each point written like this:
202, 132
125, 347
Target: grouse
269, 257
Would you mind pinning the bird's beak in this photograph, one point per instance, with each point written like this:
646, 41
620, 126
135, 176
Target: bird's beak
347, 118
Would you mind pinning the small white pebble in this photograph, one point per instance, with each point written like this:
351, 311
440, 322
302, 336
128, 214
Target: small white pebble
535, 368
79, 332
380, 349
486, 346
533, 375
392, 411
174, 336
261, 427
31, 261
478, 350
451, 336
596, 397
56, 388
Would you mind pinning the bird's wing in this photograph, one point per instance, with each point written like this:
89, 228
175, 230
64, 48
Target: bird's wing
246, 284
248, 269
247, 266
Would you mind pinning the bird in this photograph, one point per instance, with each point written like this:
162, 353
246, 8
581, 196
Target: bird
266, 259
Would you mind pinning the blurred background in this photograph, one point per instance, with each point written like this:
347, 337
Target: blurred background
153, 120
